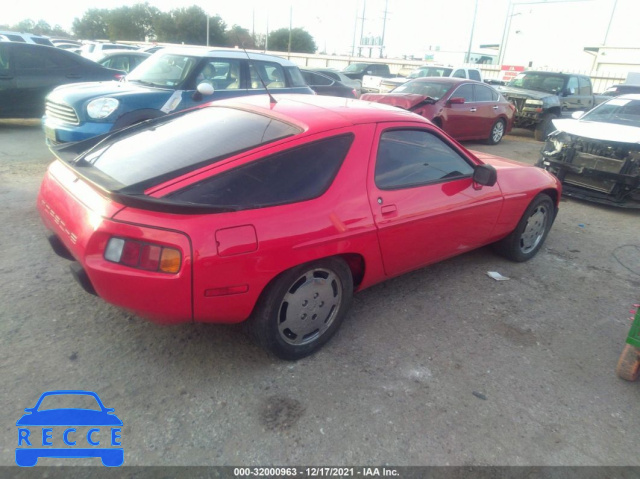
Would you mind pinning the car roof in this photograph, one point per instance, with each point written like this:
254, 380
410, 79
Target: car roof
110, 53
316, 113
225, 53
452, 80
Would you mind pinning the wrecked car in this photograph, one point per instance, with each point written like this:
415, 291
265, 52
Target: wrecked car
596, 155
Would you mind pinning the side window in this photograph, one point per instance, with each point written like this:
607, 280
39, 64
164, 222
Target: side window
295, 175
316, 80
464, 91
39, 58
410, 158
483, 93
459, 73
272, 75
585, 86
119, 63
572, 86
331, 75
475, 75
4, 59
221, 74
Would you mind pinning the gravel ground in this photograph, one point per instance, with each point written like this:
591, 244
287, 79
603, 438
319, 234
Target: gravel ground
443, 366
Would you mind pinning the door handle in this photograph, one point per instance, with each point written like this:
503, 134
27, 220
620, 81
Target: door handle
473, 110
388, 210
496, 107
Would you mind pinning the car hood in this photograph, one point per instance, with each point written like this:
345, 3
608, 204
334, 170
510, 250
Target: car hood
401, 100
596, 130
69, 417
524, 93
77, 92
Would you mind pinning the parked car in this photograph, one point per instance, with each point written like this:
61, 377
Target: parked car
385, 85
540, 97
95, 50
28, 72
621, 89
341, 77
125, 60
323, 85
276, 213
171, 80
24, 38
465, 109
357, 70
596, 155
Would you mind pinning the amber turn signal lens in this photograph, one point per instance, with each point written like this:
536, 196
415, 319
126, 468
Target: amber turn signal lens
170, 260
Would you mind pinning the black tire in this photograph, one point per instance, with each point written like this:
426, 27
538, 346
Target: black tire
526, 240
302, 308
545, 127
497, 132
629, 363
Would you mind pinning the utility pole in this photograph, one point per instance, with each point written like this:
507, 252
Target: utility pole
364, 9
473, 27
207, 29
290, 24
384, 25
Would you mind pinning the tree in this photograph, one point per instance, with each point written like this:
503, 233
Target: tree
189, 25
301, 41
132, 23
237, 36
93, 25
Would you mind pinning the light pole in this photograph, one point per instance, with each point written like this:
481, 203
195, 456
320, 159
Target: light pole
473, 27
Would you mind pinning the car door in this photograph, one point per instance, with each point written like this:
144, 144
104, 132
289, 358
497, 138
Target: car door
487, 111
459, 118
225, 75
39, 70
425, 204
8, 96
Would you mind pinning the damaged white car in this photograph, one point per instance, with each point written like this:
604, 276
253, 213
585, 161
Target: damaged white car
596, 155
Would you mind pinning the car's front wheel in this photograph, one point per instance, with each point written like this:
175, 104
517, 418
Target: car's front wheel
302, 308
497, 132
526, 240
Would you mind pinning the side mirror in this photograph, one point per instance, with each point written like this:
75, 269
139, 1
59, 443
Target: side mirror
203, 89
485, 175
456, 101
576, 115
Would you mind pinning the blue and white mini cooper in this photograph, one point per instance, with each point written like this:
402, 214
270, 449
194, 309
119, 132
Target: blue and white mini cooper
170, 80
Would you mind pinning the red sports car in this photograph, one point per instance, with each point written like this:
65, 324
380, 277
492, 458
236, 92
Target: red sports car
466, 109
276, 213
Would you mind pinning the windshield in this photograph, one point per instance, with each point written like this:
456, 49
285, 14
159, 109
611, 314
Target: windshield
435, 90
165, 71
182, 143
356, 68
619, 111
431, 72
539, 82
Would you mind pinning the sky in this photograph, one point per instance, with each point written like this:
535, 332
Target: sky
551, 31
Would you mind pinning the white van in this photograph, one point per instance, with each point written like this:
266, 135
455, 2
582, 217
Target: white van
24, 38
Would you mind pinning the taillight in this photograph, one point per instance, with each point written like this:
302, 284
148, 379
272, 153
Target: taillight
354, 92
119, 76
140, 255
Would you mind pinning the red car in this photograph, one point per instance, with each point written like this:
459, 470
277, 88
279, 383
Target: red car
466, 109
278, 212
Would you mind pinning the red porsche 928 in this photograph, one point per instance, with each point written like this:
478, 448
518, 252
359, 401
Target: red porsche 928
276, 213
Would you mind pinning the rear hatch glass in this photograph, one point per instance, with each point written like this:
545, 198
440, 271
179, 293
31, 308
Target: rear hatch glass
131, 162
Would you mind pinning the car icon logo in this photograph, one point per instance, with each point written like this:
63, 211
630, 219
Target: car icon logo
69, 432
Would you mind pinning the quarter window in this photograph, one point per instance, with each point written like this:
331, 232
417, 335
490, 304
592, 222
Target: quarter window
295, 175
410, 158
272, 75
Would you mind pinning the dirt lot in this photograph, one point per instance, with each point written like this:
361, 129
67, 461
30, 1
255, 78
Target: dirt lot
440, 366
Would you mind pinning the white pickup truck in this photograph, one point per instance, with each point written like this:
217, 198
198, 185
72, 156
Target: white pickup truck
377, 84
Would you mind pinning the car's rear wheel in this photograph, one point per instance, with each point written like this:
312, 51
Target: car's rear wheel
526, 240
302, 308
497, 132
629, 363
